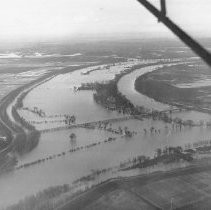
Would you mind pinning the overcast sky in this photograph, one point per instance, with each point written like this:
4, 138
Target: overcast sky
49, 18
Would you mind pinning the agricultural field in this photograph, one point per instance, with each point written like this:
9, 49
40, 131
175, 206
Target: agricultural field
181, 189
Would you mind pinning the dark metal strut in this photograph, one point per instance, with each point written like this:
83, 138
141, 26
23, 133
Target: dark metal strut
188, 40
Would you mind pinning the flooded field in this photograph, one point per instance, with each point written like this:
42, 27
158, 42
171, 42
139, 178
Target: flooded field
16, 71
72, 102
126, 87
66, 169
46, 107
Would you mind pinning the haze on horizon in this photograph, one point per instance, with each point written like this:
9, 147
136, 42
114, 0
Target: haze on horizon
26, 19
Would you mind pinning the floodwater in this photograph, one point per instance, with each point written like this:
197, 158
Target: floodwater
126, 86
57, 97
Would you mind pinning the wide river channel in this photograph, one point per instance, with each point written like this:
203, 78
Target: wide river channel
58, 97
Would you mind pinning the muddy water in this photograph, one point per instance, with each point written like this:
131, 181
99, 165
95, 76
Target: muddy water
58, 97
70, 167
126, 86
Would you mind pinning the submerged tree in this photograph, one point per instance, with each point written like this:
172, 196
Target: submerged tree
73, 139
72, 136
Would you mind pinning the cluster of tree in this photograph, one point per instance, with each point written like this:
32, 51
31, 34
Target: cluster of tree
51, 157
37, 111
54, 116
20, 144
152, 130
45, 121
69, 119
92, 176
198, 144
203, 149
156, 115
107, 126
172, 154
166, 155
108, 96
87, 86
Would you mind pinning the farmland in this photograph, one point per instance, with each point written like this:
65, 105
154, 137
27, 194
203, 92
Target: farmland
181, 189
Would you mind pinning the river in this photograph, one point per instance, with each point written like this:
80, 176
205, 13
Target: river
57, 98
126, 86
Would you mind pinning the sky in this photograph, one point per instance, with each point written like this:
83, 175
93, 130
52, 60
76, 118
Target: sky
25, 19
